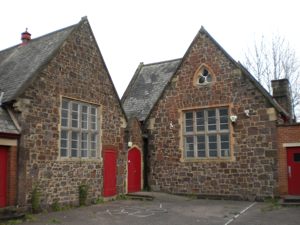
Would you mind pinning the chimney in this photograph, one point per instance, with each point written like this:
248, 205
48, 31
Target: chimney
25, 37
282, 94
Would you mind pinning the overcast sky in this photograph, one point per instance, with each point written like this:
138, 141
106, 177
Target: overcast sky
132, 31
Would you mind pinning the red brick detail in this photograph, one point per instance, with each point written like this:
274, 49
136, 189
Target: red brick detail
286, 134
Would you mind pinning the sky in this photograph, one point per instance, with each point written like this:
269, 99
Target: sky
132, 31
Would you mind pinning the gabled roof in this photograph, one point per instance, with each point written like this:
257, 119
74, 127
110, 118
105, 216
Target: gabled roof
20, 64
146, 86
141, 95
7, 125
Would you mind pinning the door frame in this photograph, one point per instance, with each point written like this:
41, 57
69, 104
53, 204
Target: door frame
142, 166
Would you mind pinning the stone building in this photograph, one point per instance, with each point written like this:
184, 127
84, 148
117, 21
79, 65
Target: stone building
61, 107
209, 127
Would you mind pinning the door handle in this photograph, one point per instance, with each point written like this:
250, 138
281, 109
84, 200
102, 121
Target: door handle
290, 171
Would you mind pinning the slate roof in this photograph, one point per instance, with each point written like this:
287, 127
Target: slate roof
20, 64
6, 123
146, 87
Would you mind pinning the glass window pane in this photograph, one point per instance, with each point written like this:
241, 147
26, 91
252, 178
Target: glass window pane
93, 111
93, 153
223, 112
63, 143
211, 113
212, 145
211, 120
189, 146
74, 144
296, 157
84, 118
188, 122
65, 104
223, 119
200, 121
201, 146
63, 152
224, 145
75, 113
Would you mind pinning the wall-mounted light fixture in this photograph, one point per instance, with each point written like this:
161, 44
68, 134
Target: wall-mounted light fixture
247, 111
171, 125
233, 118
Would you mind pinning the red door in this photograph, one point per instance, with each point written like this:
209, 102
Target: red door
110, 173
134, 170
3, 176
293, 162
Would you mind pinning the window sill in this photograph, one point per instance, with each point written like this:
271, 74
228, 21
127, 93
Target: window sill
204, 160
65, 159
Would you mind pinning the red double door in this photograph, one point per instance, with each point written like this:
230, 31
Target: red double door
134, 170
3, 176
293, 163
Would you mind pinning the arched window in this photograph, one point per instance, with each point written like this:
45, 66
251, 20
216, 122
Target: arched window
203, 76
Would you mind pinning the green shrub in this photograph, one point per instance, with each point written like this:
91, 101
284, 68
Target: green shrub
56, 206
83, 192
35, 200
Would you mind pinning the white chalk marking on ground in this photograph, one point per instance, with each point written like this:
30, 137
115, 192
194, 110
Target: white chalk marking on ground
240, 213
137, 212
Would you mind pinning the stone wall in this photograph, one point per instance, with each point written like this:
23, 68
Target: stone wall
77, 72
251, 172
288, 135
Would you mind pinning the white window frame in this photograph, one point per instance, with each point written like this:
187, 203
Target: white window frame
79, 130
193, 136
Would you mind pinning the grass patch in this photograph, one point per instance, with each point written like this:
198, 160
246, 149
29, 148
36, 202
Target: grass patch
54, 221
30, 218
122, 197
12, 222
271, 204
99, 200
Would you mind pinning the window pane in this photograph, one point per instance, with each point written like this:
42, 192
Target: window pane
63, 152
225, 145
201, 146
212, 145
84, 145
200, 121
188, 122
93, 111
64, 117
63, 143
93, 118
211, 118
74, 144
189, 146
65, 105
75, 108
223, 119
93, 145
84, 117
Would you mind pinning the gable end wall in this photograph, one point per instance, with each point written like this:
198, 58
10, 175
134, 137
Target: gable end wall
251, 172
76, 72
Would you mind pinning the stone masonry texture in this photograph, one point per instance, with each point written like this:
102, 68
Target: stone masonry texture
77, 71
252, 172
